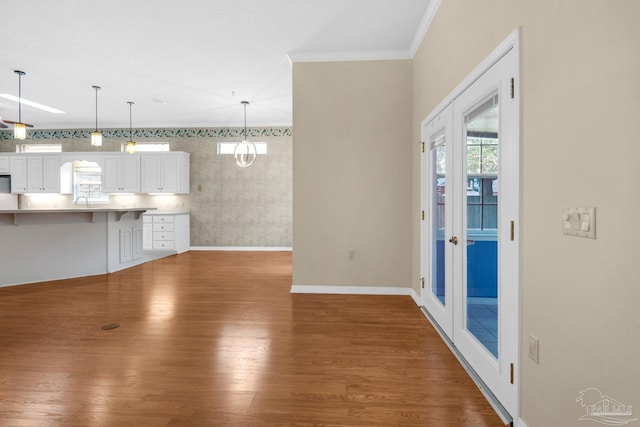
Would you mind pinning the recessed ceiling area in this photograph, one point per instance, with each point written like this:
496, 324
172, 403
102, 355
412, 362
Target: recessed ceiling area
184, 64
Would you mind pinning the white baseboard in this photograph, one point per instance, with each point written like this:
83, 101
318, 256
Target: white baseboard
354, 290
521, 423
243, 248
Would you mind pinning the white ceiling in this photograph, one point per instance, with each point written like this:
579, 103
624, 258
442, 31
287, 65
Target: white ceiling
202, 57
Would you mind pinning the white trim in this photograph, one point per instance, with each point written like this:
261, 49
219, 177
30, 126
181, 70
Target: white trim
486, 392
416, 297
352, 290
511, 42
242, 248
430, 13
374, 55
520, 423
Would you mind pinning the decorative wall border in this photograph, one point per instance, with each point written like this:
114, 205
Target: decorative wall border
153, 133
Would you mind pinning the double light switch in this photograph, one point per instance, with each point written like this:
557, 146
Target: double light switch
579, 222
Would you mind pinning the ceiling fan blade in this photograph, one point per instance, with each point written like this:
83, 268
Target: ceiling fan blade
13, 123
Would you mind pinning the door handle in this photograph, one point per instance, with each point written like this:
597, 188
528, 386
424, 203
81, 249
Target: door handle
453, 240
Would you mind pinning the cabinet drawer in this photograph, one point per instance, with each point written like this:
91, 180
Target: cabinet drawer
163, 218
159, 226
163, 245
162, 236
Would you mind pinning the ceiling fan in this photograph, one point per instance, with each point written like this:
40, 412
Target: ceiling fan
4, 122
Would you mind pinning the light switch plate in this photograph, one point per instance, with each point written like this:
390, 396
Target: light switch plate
579, 222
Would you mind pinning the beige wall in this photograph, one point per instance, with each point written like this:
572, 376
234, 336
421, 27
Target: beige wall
352, 173
580, 145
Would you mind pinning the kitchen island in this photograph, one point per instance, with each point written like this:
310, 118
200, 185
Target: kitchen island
48, 244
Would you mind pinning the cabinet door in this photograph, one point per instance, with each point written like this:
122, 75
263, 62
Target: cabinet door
126, 245
151, 170
5, 165
111, 174
51, 174
170, 173
130, 173
138, 243
34, 174
18, 175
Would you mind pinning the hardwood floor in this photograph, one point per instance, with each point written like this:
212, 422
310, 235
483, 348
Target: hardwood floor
216, 339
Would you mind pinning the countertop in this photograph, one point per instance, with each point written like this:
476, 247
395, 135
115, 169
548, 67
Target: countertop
74, 210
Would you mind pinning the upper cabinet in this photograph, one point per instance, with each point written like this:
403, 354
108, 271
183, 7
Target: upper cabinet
165, 172
121, 173
5, 165
35, 174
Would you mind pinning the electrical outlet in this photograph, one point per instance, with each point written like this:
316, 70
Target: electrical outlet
534, 348
352, 255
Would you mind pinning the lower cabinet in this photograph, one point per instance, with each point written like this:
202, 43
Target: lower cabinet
166, 232
131, 244
125, 246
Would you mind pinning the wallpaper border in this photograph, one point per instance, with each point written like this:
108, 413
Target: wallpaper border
153, 133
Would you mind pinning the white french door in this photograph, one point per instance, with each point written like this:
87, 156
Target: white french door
436, 187
470, 248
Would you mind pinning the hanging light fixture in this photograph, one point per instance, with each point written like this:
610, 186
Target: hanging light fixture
245, 151
96, 136
19, 128
131, 145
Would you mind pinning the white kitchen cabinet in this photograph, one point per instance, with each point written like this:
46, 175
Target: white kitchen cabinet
35, 174
165, 172
121, 173
18, 174
5, 164
43, 174
167, 231
147, 233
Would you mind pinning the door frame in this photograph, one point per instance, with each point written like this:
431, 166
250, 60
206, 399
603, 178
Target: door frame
510, 44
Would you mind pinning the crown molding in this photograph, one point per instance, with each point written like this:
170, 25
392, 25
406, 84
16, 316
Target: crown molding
429, 14
377, 55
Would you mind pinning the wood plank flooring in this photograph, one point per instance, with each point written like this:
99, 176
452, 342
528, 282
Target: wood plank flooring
216, 339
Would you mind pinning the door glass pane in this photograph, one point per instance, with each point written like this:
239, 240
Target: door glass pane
482, 175
438, 166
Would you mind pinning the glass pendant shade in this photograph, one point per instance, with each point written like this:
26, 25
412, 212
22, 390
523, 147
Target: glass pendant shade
245, 153
96, 139
20, 131
130, 147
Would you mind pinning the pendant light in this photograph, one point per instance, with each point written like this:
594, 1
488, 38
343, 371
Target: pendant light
245, 151
96, 136
19, 128
131, 145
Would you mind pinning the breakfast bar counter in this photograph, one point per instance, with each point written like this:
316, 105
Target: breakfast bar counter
48, 244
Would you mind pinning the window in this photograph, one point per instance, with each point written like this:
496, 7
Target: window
87, 182
146, 147
39, 148
229, 147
